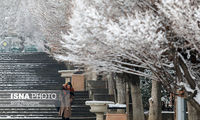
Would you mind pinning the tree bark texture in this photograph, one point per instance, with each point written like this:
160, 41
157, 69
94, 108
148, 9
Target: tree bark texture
193, 114
138, 110
155, 102
110, 84
121, 91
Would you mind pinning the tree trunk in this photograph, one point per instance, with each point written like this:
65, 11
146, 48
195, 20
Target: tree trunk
110, 84
127, 101
155, 111
193, 114
138, 110
121, 91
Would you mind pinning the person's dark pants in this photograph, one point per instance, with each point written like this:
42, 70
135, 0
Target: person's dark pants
65, 118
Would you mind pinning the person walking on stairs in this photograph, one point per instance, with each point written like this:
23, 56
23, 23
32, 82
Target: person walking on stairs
66, 99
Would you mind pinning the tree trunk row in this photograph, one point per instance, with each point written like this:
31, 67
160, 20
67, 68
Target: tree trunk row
155, 110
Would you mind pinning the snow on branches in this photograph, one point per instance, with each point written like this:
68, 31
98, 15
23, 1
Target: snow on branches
52, 17
112, 44
18, 23
115, 36
184, 18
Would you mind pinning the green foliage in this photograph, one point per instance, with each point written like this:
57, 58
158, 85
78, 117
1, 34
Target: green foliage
146, 91
146, 86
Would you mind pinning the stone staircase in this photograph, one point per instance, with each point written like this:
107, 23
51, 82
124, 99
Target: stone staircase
79, 110
35, 71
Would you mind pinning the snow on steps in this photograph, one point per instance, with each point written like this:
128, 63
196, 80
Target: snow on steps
37, 71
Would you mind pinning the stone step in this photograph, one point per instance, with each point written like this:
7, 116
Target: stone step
32, 67
81, 93
15, 60
5, 78
28, 74
82, 114
33, 113
83, 118
103, 97
97, 84
25, 110
47, 118
79, 102
7, 100
28, 65
98, 91
53, 79
30, 118
28, 85
49, 114
10, 75
74, 107
27, 61
28, 71
86, 110
7, 94
28, 108
25, 56
81, 109
31, 82
81, 97
42, 87
28, 113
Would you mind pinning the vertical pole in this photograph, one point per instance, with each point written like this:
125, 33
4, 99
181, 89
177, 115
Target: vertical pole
180, 109
127, 100
175, 107
114, 86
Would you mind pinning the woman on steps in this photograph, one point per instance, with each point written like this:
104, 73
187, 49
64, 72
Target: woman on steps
66, 99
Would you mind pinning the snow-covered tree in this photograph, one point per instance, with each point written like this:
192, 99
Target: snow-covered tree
138, 40
103, 41
18, 22
117, 36
106, 41
184, 19
52, 19
183, 36
87, 43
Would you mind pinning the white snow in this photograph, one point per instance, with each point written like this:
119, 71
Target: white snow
151, 99
117, 105
98, 102
165, 112
193, 77
197, 97
187, 87
188, 54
